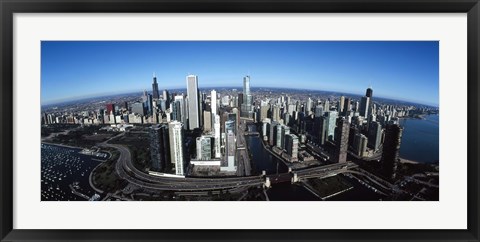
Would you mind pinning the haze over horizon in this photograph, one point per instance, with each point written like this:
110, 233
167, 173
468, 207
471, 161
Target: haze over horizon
403, 70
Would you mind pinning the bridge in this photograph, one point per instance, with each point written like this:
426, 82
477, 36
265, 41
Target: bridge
347, 168
326, 171
126, 170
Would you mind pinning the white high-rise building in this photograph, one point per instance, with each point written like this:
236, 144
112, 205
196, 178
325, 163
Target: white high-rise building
246, 108
308, 109
213, 102
213, 105
177, 155
341, 104
326, 105
216, 133
193, 102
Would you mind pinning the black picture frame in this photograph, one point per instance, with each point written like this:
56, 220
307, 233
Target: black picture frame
9, 7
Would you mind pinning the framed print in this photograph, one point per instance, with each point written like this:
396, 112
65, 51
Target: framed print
250, 121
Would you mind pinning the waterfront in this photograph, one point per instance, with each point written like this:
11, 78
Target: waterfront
420, 139
62, 169
419, 143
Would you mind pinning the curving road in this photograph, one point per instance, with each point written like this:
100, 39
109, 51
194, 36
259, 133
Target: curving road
126, 170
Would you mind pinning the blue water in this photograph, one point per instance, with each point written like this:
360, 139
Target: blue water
420, 139
61, 167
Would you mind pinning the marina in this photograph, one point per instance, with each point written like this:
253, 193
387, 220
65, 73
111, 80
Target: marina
62, 169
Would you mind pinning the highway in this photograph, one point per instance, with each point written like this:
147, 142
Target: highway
126, 170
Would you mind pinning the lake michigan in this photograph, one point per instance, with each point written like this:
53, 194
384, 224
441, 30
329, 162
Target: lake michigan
420, 139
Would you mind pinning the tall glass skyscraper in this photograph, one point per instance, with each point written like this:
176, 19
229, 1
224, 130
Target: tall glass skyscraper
183, 110
331, 123
156, 93
246, 108
193, 105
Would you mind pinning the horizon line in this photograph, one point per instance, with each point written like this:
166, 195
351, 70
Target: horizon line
98, 95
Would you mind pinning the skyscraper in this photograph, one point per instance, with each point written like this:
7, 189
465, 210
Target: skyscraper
204, 148
149, 104
360, 144
216, 133
193, 102
183, 109
318, 111
176, 111
213, 107
322, 129
159, 147
264, 108
341, 142
309, 106
266, 128
347, 106
331, 122
138, 108
235, 115
207, 121
272, 133
326, 105
110, 108
246, 86
285, 131
291, 146
213, 102
391, 148
156, 94
369, 92
240, 100
278, 136
364, 106
144, 96
177, 151
374, 135
341, 105
277, 113
166, 97
246, 108
230, 150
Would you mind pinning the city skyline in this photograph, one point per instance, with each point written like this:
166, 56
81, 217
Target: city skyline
161, 151
106, 71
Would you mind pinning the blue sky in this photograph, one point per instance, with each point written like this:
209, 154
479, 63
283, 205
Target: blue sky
403, 70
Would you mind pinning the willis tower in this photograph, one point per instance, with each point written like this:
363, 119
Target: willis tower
156, 94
